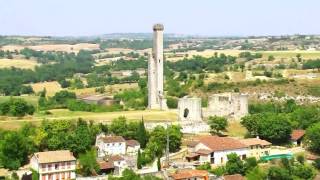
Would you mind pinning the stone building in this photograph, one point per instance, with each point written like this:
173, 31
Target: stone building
230, 105
190, 115
156, 98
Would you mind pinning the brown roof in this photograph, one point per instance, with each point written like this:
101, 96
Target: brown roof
203, 151
106, 165
233, 177
187, 174
297, 134
132, 143
116, 158
192, 155
192, 143
255, 141
113, 139
54, 156
216, 143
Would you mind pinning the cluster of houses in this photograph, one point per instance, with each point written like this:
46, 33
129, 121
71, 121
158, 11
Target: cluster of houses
115, 154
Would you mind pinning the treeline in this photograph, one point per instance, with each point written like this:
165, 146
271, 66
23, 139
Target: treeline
275, 121
7, 54
250, 56
45, 57
312, 64
16, 146
12, 80
16, 107
130, 44
199, 64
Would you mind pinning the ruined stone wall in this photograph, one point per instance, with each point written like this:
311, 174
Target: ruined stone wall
189, 109
230, 105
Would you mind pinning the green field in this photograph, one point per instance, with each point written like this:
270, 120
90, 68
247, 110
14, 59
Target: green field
31, 99
104, 117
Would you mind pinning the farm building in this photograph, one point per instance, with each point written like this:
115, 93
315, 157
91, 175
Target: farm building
99, 99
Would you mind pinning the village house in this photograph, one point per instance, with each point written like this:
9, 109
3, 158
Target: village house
257, 147
115, 145
55, 165
297, 137
133, 147
214, 149
114, 165
190, 174
110, 145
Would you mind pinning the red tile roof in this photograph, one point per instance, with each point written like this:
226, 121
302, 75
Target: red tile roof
297, 134
255, 141
54, 156
216, 143
187, 174
112, 139
132, 143
106, 165
233, 177
116, 158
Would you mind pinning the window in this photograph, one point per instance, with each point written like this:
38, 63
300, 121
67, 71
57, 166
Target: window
43, 177
56, 166
57, 176
244, 157
63, 176
49, 167
62, 165
43, 167
68, 164
68, 175
50, 177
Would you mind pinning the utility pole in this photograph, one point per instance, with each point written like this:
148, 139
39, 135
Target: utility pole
167, 147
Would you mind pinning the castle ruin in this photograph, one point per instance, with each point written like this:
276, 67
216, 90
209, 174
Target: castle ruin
230, 105
190, 115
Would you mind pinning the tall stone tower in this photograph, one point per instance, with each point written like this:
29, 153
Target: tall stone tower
156, 98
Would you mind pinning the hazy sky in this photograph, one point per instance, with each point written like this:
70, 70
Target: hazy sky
200, 17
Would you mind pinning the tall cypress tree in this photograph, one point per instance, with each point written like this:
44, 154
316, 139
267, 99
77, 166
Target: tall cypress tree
139, 160
142, 134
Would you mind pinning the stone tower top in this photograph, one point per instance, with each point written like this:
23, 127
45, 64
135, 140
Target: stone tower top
158, 27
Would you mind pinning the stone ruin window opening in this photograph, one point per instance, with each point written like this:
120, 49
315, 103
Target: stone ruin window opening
186, 113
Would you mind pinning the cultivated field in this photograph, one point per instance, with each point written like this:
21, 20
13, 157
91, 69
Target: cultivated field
51, 87
277, 54
18, 63
55, 47
110, 89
